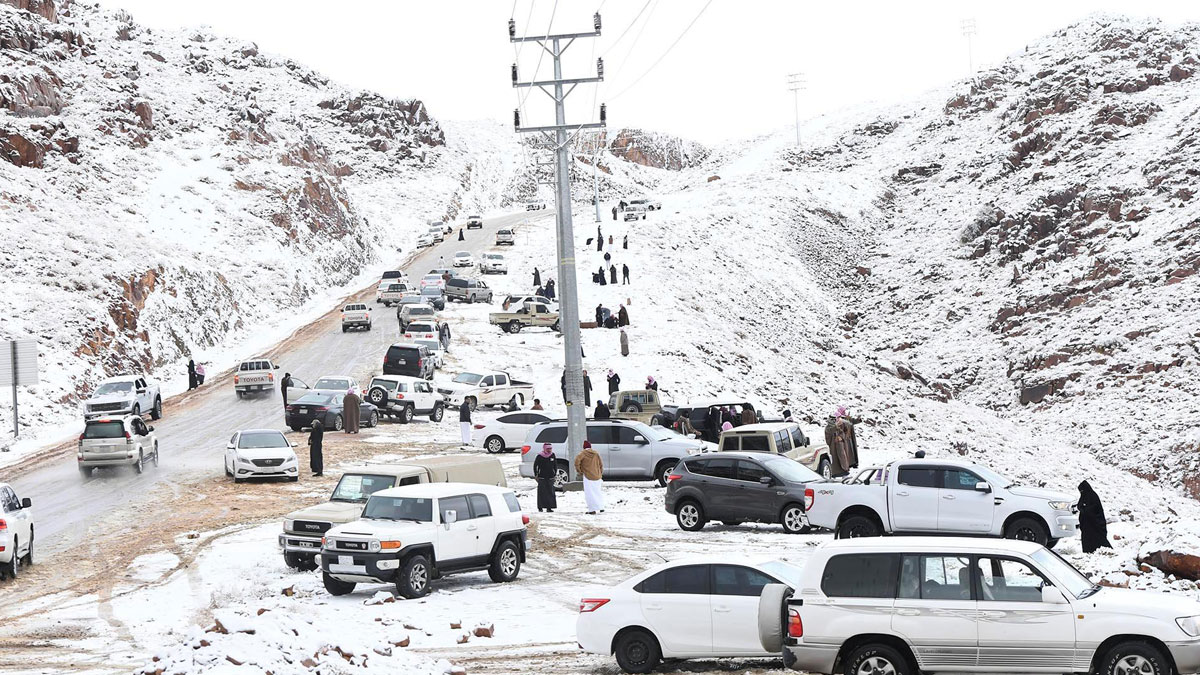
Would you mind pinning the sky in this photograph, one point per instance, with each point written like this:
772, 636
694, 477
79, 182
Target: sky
726, 77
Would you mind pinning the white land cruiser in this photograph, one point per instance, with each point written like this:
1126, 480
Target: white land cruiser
254, 376
125, 395
411, 535
905, 605
16, 532
403, 398
124, 440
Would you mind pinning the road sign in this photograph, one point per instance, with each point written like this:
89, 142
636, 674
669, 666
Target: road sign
18, 365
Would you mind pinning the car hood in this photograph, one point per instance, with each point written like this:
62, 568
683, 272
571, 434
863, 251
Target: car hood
687, 444
111, 398
265, 453
1041, 493
334, 512
455, 386
1141, 603
380, 528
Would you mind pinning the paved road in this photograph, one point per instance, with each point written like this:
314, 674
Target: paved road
196, 426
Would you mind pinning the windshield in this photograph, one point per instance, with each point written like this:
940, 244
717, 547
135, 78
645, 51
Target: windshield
791, 471
356, 487
1071, 581
992, 477
433, 277
659, 433
399, 508
462, 254
341, 384
386, 384
104, 430
785, 572
493, 256
114, 388
262, 439
468, 378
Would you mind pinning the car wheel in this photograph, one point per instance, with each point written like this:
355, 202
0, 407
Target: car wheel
1135, 658
555, 327
690, 516
137, 410
631, 406
412, 581
562, 476
13, 567
407, 415
506, 564
792, 519
439, 411
825, 468
772, 610
656, 421
240, 394
514, 326
343, 329
637, 652
663, 470
857, 526
493, 444
156, 411
299, 562
156, 454
876, 659
337, 586
470, 299
338, 423
1027, 529
140, 465
374, 420
377, 397
29, 551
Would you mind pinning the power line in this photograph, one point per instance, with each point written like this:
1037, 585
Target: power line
633, 45
664, 54
542, 53
635, 18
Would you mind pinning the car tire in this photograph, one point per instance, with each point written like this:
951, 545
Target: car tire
631, 407
439, 411
637, 651
493, 444
29, 551
85, 472
156, 411
407, 414
12, 569
825, 468
337, 586
140, 465
656, 421
1027, 529
562, 475
506, 563
858, 526
156, 454
240, 394
772, 609
293, 479
792, 519
299, 562
343, 329
555, 327
514, 327
236, 479
470, 300
690, 515
1135, 657
338, 423
874, 657
373, 421
137, 410
663, 470
412, 579
377, 397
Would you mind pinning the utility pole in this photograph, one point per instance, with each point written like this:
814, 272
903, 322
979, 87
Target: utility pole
557, 135
796, 84
968, 31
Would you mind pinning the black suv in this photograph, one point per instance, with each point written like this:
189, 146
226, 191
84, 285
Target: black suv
408, 358
735, 487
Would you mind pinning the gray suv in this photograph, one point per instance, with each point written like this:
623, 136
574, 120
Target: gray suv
468, 290
629, 449
736, 487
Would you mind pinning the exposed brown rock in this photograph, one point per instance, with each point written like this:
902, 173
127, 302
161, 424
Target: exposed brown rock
44, 8
1182, 565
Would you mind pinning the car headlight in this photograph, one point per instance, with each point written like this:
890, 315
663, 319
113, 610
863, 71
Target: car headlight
1060, 506
289, 525
1189, 625
373, 546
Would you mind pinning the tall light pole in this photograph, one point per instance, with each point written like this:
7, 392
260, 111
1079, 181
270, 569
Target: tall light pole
557, 136
796, 84
968, 31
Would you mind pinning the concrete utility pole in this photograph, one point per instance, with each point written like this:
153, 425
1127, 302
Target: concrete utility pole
557, 135
968, 31
796, 84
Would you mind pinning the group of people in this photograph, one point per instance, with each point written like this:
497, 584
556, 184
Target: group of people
606, 319
547, 291
588, 465
195, 374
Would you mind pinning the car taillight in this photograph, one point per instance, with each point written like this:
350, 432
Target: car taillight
524, 449
591, 604
322, 409
809, 498
81, 438
402, 395
478, 426
270, 377
3, 525
291, 408
236, 378
674, 476
127, 436
795, 625
524, 519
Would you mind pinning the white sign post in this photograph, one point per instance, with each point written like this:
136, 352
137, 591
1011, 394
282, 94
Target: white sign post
18, 366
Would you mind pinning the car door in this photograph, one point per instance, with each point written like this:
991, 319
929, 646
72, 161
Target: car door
914, 498
630, 458
961, 507
513, 429
486, 396
483, 524
734, 602
297, 390
936, 612
1015, 626
676, 604
455, 540
19, 519
754, 499
721, 491
143, 395
600, 435
231, 452
140, 436
425, 395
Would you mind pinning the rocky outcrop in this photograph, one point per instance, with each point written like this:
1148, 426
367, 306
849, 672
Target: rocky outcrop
43, 8
390, 125
28, 145
657, 150
1182, 565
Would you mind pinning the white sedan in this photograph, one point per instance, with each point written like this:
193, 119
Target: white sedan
506, 432
432, 281
425, 240
260, 453
464, 259
685, 609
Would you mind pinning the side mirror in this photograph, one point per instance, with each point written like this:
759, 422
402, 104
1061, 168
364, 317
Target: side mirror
276, 367
141, 390
983, 486
150, 428
766, 480
449, 518
25, 503
1051, 595
229, 447
640, 440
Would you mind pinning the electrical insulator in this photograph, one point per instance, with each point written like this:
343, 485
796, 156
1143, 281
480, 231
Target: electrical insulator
603, 113
516, 119
512, 28
599, 68
596, 21
514, 68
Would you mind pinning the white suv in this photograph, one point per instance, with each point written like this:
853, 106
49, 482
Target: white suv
116, 441
410, 535
16, 532
403, 398
935, 604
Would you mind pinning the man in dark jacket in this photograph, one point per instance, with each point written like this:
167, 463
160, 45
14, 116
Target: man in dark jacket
614, 382
316, 459
599, 315
614, 213
602, 278
625, 242
550, 289
283, 387
622, 317
602, 412
1093, 528
624, 274
464, 423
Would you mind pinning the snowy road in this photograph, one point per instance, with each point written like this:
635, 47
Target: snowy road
195, 426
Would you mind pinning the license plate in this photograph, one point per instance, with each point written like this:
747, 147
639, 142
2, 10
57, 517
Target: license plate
304, 410
401, 361
348, 569
345, 560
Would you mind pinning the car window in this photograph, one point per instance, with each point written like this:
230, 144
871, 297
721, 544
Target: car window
557, 434
501, 379
112, 429
756, 443
783, 441
1007, 580
600, 433
959, 479
919, 477
697, 466
511, 500
518, 418
8, 499
722, 468
487, 382
479, 506
139, 428
534, 418
798, 440
749, 471
729, 443
458, 504
386, 384
861, 575
624, 435
936, 577
738, 580
691, 579
399, 508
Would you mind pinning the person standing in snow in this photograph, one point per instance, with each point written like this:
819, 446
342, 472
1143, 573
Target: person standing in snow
599, 234
612, 274
621, 204
839, 437
651, 383
602, 412
614, 382
624, 343
537, 278
444, 335
602, 279
599, 315
464, 423
460, 234
787, 416
199, 374
587, 389
316, 460
545, 465
622, 313
1093, 528
624, 274
600, 244
625, 242
591, 467
614, 213
550, 290
610, 240
351, 411
191, 375
607, 256
283, 387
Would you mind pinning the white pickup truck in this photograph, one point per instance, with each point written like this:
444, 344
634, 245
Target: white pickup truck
395, 292
490, 388
254, 376
356, 315
945, 497
125, 395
